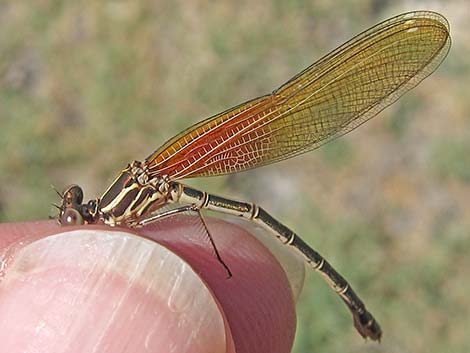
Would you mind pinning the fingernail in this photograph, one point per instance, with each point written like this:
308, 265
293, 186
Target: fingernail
94, 290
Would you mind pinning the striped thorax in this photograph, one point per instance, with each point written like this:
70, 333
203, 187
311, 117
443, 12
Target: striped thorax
132, 195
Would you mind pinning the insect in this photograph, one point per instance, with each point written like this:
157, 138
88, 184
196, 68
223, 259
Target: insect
333, 96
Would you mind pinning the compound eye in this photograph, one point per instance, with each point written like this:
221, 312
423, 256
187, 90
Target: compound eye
73, 194
71, 217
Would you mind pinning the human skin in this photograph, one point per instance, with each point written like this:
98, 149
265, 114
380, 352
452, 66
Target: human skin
155, 289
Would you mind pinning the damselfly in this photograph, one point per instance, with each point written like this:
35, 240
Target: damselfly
326, 100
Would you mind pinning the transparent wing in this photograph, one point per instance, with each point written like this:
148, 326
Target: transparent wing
328, 99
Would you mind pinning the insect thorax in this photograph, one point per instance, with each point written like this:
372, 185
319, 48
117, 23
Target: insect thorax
133, 194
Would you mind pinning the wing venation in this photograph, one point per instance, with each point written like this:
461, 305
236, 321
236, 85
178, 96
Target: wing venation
326, 100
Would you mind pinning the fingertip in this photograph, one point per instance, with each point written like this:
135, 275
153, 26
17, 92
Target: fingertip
254, 308
102, 290
257, 300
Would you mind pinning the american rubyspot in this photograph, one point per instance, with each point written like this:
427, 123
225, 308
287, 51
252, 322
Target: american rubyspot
333, 96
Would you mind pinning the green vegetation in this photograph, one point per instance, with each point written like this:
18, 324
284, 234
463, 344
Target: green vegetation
452, 159
86, 87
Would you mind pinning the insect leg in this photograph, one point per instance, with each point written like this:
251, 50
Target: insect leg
183, 209
159, 216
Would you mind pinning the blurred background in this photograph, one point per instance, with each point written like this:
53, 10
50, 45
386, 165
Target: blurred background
86, 87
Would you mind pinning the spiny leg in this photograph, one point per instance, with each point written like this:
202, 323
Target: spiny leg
219, 258
183, 209
143, 221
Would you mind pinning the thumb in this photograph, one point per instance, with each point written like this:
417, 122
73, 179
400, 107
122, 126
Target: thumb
101, 289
